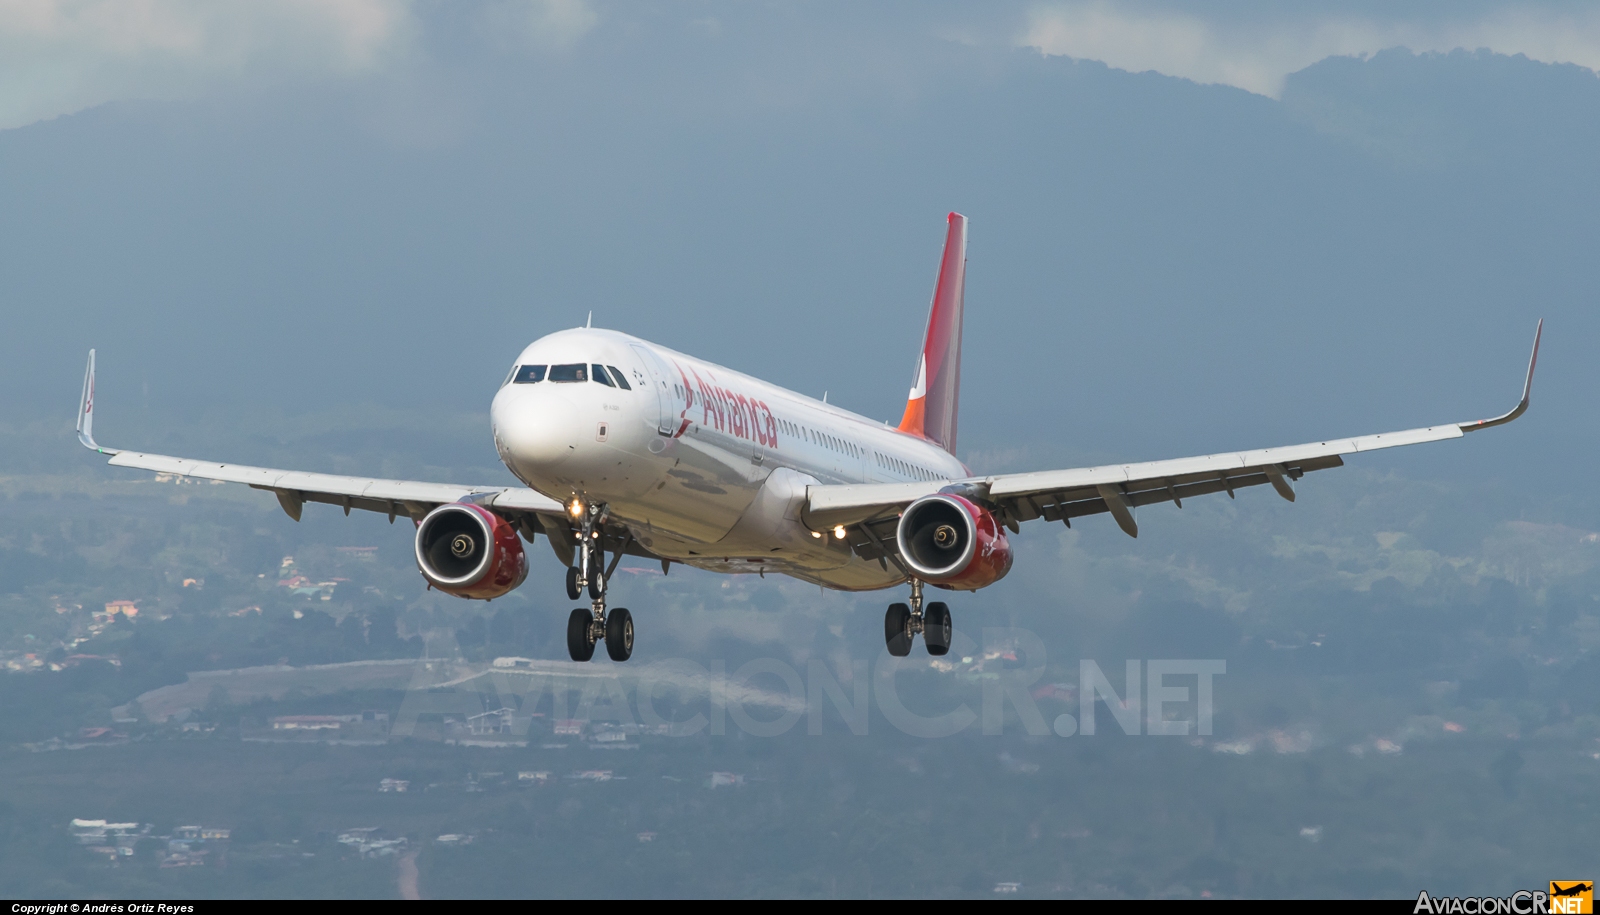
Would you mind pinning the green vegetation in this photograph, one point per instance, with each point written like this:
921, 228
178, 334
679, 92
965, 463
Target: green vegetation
1407, 705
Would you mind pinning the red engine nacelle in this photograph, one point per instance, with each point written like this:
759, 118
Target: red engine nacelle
949, 541
469, 551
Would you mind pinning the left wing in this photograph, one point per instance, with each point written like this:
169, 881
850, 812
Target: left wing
414, 499
868, 512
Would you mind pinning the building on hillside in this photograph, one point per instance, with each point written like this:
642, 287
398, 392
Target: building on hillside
395, 785
184, 859
127, 608
103, 832
725, 780
495, 722
366, 843
312, 722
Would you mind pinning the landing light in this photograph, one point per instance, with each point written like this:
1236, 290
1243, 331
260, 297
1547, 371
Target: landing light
817, 534
575, 509
838, 531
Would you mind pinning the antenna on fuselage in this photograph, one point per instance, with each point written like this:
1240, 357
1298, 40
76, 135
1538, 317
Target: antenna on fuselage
589, 321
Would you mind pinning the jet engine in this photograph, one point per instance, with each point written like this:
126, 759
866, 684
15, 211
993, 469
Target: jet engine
469, 551
949, 541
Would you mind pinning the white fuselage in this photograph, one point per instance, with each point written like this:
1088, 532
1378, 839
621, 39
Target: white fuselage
706, 466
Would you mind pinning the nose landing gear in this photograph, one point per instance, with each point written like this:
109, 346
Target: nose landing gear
902, 624
585, 628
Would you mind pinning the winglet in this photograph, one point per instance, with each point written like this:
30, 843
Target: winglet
86, 411
1527, 391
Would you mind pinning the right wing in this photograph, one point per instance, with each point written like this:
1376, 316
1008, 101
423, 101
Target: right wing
869, 512
530, 510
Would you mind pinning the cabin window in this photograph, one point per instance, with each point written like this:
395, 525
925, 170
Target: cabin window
600, 374
568, 373
529, 374
622, 380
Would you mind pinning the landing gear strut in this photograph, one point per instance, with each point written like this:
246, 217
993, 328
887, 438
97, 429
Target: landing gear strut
902, 624
587, 627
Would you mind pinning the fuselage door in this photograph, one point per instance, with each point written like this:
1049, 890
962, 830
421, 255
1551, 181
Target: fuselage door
662, 383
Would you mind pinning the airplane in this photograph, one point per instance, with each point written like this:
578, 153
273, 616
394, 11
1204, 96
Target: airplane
626, 447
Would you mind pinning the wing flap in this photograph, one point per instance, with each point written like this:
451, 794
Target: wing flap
301, 481
1192, 469
404, 497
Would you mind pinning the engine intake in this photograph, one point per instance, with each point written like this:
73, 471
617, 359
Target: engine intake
469, 551
950, 541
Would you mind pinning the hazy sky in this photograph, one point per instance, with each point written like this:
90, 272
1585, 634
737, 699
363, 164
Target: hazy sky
61, 56
308, 205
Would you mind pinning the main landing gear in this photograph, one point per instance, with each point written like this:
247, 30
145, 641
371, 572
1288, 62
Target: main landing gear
902, 623
585, 628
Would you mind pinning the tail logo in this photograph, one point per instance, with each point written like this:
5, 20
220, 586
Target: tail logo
920, 389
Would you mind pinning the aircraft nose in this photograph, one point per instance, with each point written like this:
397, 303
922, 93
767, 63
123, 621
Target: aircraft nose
534, 428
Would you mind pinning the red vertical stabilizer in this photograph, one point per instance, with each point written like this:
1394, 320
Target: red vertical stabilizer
931, 409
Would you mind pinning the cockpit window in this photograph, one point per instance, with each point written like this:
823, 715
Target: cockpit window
601, 376
622, 380
529, 374
572, 372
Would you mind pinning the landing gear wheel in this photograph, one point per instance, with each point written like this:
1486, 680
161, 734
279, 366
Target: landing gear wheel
580, 636
897, 630
619, 634
936, 629
573, 591
595, 585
